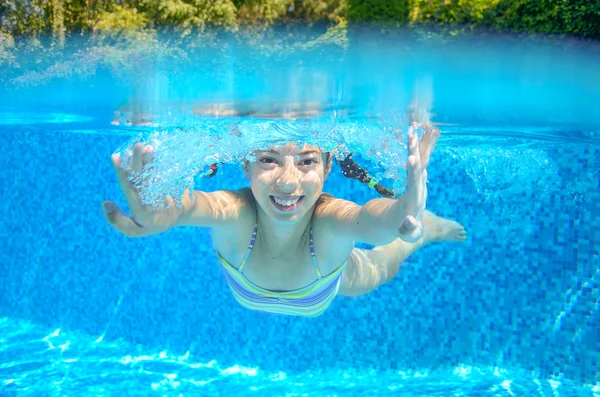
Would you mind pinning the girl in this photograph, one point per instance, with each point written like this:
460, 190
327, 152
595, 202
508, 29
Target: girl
285, 246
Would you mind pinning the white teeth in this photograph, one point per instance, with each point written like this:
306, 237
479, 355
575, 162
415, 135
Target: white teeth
286, 203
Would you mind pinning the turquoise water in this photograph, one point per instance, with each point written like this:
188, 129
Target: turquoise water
61, 363
513, 311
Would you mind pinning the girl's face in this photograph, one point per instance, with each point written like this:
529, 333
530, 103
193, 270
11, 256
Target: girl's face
287, 180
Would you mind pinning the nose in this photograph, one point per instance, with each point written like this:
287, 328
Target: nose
288, 179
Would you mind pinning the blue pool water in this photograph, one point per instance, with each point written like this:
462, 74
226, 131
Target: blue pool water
511, 312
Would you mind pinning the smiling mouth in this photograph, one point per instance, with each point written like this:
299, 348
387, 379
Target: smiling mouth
286, 205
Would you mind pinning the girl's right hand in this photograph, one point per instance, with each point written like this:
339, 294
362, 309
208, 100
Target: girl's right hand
144, 220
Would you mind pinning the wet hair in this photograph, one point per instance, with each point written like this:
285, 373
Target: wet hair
350, 169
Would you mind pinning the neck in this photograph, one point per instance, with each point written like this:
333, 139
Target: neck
282, 237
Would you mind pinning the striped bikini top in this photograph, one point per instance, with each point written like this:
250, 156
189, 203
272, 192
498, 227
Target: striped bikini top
310, 301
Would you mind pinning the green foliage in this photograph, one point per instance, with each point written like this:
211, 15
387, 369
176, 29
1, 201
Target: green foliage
320, 10
262, 12
125, 33
112, 20
394, 12
82, 15
579, 17
20, 17
58, 22
7, 57
189, 15
121, 22
442, 12
336, 35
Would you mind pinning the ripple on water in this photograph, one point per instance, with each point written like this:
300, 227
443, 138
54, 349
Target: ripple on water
120, 368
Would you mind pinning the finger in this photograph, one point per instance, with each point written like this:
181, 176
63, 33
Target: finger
136, 157
413, 145
414, 157
147, 155
147, 159
122, 223
170, 202
416, 186
414, 172
411, 177
133, 200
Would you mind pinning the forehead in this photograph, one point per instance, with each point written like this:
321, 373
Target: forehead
292, 149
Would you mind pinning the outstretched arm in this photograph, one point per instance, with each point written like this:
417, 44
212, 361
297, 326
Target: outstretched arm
380, 221
220, 209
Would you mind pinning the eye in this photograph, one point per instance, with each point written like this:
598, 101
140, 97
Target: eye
308, 162
267, 160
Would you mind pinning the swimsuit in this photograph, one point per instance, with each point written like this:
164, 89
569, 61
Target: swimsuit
310, 301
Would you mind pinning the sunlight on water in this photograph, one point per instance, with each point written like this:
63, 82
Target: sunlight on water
74, 363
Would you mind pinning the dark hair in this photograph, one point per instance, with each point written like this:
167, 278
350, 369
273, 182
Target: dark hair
350, 169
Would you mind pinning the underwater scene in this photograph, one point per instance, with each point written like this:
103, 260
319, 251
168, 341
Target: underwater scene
511, 311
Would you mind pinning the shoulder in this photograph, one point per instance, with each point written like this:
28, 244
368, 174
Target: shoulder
238, 217
222, 208
330, 208
333, 245
242, 205
231, 237
337, 217
245, 194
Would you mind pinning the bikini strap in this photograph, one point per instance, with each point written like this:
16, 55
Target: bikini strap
312, 252
250, 246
